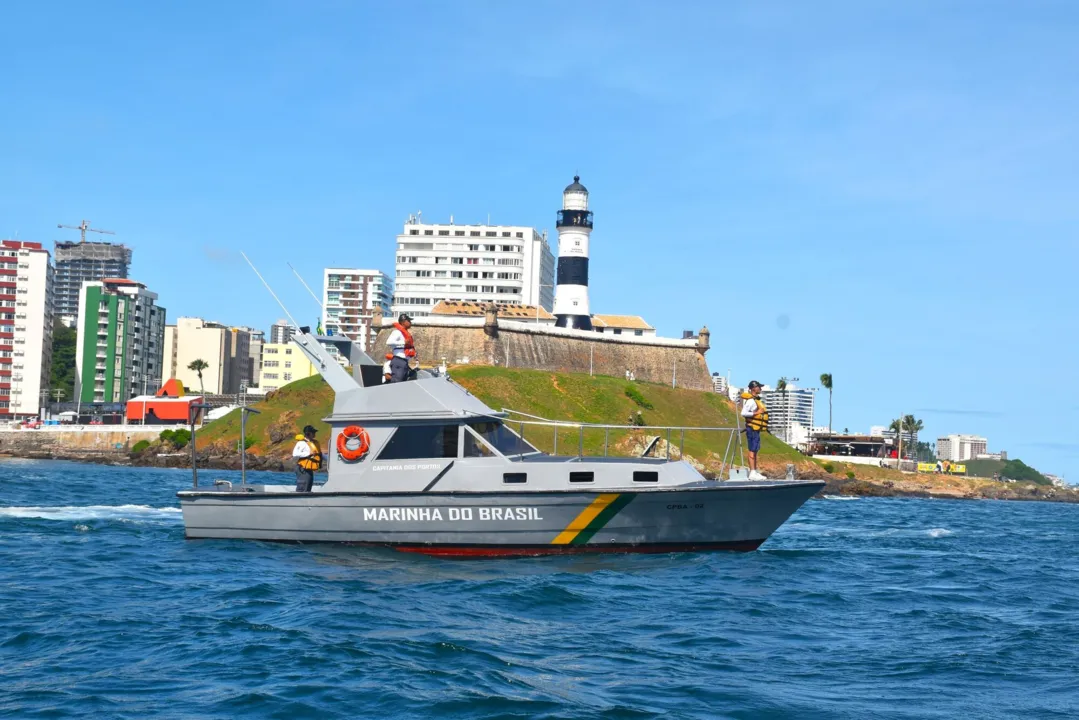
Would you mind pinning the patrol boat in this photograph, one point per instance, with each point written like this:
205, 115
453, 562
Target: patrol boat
423, 466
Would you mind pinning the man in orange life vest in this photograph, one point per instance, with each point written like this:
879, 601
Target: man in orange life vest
308, 456
401, 347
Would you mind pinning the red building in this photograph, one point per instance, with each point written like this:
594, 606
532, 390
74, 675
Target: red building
168, 407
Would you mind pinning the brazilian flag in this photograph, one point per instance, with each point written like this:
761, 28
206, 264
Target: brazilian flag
318, 328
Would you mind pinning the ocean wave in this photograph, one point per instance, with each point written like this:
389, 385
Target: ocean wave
938, 532
840, 497
91, 512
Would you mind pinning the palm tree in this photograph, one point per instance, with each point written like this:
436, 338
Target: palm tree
781, 384
826, 383
198, 366
913, 426
908, 424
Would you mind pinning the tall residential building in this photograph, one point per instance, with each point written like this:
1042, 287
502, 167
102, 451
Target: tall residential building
118, 352
479, 263
790, 413
283, 363
719, 383
80, 262
349, 296
959, 448
281, 332
225, 350
257, 338
26, 317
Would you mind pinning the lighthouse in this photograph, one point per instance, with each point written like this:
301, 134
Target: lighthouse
571, 286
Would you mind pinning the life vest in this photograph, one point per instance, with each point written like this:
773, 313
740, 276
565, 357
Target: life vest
312, 462
410, 347
757, 422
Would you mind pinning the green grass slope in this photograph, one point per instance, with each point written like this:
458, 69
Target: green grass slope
280, 419
603, 399
556, 396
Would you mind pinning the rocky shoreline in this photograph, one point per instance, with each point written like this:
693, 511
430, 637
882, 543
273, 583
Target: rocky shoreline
879, 484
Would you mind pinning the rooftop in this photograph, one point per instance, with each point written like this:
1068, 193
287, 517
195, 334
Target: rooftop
632, 322
576, 186
465, 308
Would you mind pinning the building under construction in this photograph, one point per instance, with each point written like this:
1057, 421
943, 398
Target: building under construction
79, 262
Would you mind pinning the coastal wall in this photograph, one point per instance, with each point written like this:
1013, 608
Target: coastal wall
68, 443
493, 341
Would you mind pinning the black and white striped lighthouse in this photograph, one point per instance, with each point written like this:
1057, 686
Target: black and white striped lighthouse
571, 286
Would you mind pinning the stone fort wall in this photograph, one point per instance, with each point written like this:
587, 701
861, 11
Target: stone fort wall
491, 341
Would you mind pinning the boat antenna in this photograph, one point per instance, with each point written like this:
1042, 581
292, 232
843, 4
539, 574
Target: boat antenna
287, 313
309, 290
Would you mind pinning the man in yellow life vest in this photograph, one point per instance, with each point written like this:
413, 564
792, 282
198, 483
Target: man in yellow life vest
756, 416
308, 457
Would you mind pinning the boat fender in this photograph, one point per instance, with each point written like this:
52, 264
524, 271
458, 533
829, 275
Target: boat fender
352, 454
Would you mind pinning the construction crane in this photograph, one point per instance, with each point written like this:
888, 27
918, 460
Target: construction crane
84, 227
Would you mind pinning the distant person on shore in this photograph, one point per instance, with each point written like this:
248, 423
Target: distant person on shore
308, 456
401, 347
756, 416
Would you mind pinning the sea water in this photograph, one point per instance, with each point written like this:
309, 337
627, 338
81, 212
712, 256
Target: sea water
854, 609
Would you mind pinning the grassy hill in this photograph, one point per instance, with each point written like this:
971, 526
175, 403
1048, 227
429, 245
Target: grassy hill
281, 416
601, 399
1013, 469
556, 396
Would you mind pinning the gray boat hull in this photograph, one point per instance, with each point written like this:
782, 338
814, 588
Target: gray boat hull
705, 516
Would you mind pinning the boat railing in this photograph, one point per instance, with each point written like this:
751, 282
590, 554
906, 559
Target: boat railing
523, 420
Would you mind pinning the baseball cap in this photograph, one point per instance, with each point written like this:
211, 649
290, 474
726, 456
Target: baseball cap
404, 317
754, 384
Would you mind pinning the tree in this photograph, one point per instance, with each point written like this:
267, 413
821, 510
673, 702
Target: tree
781, 384
826, 383
1021, 472
913, 425
63, 359
198, 366
910, 425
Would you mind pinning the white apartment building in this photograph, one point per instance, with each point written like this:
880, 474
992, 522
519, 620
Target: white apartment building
790, 413
225, 350
349, 297
959, 448
26, 317
479, 263
719, 383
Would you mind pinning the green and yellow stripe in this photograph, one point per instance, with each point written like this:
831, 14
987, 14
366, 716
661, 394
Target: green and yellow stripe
593, 518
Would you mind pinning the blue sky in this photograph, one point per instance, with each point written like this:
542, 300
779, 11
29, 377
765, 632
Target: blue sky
884, 191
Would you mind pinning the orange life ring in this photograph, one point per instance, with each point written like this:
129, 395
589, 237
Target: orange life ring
353, 454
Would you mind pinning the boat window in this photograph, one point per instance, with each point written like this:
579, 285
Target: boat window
575, 477
413, 442
499, 436
645, 476
514, 477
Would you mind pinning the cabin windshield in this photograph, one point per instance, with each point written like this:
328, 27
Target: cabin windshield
411, 442
499, 437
